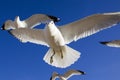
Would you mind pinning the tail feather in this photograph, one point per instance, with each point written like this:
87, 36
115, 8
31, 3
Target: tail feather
69, 57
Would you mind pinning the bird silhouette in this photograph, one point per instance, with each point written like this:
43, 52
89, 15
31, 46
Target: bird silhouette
67, 75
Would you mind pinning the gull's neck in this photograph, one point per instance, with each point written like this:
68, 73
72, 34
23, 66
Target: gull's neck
50, 23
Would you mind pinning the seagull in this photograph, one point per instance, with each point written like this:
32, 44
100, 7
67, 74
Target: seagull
56, 38
67, 75
113, 43
31, 22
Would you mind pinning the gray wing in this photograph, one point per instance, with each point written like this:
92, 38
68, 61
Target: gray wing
37, 19
113, 43
70, 73
54, 76
29, 35
88, 26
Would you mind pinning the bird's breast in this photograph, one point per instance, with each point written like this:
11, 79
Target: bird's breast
54, 37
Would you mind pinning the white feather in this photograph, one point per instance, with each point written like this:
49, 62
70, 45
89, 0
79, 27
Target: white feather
69, 57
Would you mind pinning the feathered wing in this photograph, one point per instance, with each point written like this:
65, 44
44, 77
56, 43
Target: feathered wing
113, 43
29, 35
70, 73
37, 19
88, 26
70, 56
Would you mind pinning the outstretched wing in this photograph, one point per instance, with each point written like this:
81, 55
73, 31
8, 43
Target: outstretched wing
113, 43
37, 19
29, 35
88, 26
70, 73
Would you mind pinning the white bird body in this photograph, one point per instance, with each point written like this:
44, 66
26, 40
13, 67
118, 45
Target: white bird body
53, 36
62, 78
59, 54
58, 50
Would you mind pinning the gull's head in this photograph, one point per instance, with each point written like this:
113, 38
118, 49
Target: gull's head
51, 23
8, 25
55, 19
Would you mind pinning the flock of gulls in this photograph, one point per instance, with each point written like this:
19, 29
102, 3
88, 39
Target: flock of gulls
57, 37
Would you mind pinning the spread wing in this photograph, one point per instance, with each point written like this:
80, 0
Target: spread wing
29, 35
113, 43
37, 19
88, 26
70, 73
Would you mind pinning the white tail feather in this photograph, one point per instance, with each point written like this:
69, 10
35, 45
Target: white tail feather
69, 57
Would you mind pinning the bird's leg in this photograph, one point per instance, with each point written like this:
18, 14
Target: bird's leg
51, 58
61, 53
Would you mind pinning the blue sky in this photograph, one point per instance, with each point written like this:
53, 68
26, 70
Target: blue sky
20, 61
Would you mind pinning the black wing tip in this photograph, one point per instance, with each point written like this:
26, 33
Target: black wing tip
55, 19
50, 78
104, 43
82, 72
3, 27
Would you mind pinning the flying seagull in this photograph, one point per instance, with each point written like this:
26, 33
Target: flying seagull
113, 43
31, 22
67, 75
60, 55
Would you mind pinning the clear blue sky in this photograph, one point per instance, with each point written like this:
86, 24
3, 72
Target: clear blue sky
20, 61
